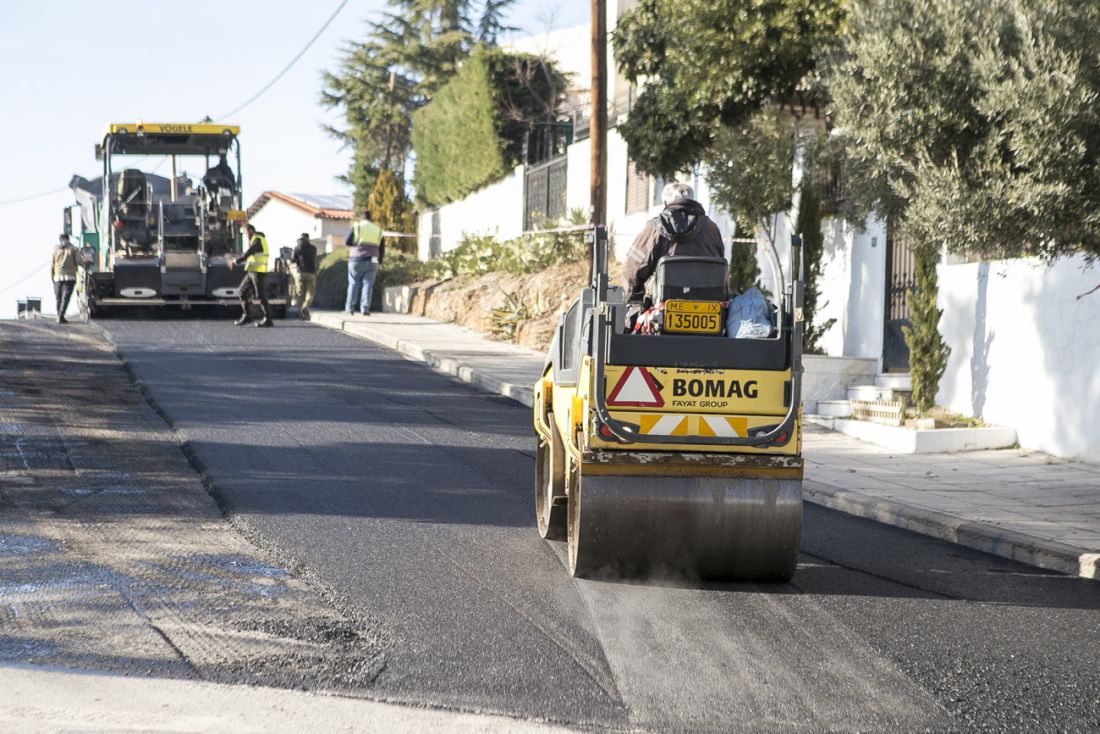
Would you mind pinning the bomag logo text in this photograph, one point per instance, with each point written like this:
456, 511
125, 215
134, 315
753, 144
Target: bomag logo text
714, 388
175, 128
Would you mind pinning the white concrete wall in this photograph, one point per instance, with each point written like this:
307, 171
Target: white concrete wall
578, 157
1024, 351
622, 227
496, 209
852, 289
828, 378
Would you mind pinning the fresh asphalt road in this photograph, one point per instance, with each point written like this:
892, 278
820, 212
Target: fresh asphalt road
410, 497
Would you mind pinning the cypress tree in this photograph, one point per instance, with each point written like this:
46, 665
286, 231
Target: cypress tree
391, 209
813, 245
928, 352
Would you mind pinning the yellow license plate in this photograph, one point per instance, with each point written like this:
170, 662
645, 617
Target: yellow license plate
236, 215
693, 317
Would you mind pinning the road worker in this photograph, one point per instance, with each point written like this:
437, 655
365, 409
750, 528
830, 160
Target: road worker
364, 259
253, 286
63, 265
304, 259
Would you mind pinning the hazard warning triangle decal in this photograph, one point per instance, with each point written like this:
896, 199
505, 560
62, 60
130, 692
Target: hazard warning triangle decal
636, 388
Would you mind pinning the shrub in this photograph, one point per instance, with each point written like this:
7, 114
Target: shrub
480, 254
332, 279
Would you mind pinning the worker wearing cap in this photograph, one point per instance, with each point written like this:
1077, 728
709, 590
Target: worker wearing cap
66, 258
304, 259
254, 285
364, 259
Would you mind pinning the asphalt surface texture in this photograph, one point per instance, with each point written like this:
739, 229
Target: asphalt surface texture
407, 498
113, 555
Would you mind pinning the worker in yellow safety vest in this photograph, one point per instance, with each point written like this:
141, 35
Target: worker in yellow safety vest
364, 259
254, 285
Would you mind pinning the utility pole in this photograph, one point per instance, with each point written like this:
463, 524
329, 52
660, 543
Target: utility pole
597, 126
389, 119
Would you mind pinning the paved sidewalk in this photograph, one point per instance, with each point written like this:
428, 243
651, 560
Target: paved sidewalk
1022, 505
35, 699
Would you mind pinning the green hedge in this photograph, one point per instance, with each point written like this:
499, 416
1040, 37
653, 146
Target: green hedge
332, 279
472, 132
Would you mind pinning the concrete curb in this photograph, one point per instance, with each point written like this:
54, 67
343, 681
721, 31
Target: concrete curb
522, 394
1039, 552
1016, 546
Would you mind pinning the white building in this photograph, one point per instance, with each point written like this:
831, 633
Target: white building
284, 217
1024, 349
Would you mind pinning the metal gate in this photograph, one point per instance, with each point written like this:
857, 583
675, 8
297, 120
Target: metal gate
900, 281
544, 193
435, 242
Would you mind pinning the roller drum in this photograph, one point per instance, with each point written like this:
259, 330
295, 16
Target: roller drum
710, 527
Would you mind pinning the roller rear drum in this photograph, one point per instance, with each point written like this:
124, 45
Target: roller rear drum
708, 527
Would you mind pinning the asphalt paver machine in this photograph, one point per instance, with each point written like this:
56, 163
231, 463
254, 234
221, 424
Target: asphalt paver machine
164, 240
675, 452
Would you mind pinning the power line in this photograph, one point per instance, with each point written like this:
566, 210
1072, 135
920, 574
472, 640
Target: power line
250, 100
33, 196
24, 279
286, 68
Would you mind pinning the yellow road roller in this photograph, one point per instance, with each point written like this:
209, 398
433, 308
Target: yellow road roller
676, 451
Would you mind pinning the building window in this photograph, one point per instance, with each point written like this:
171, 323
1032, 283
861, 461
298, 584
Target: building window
658, 184
637, 189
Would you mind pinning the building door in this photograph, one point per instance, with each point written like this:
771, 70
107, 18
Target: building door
899, 281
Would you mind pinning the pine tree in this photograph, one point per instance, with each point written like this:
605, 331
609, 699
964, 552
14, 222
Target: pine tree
928, 352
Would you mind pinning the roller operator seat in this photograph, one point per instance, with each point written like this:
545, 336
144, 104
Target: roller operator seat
133, 195
690, 277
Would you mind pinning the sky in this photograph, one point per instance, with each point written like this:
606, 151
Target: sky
69, 67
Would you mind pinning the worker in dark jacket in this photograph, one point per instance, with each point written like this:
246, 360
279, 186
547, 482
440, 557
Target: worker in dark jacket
683, 228
304, 260
254, 285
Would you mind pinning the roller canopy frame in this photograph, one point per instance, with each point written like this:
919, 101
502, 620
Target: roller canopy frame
603, 325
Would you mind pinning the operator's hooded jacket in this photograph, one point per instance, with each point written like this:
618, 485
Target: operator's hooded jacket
683, 228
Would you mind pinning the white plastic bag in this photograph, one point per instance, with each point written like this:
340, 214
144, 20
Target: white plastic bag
749, 316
